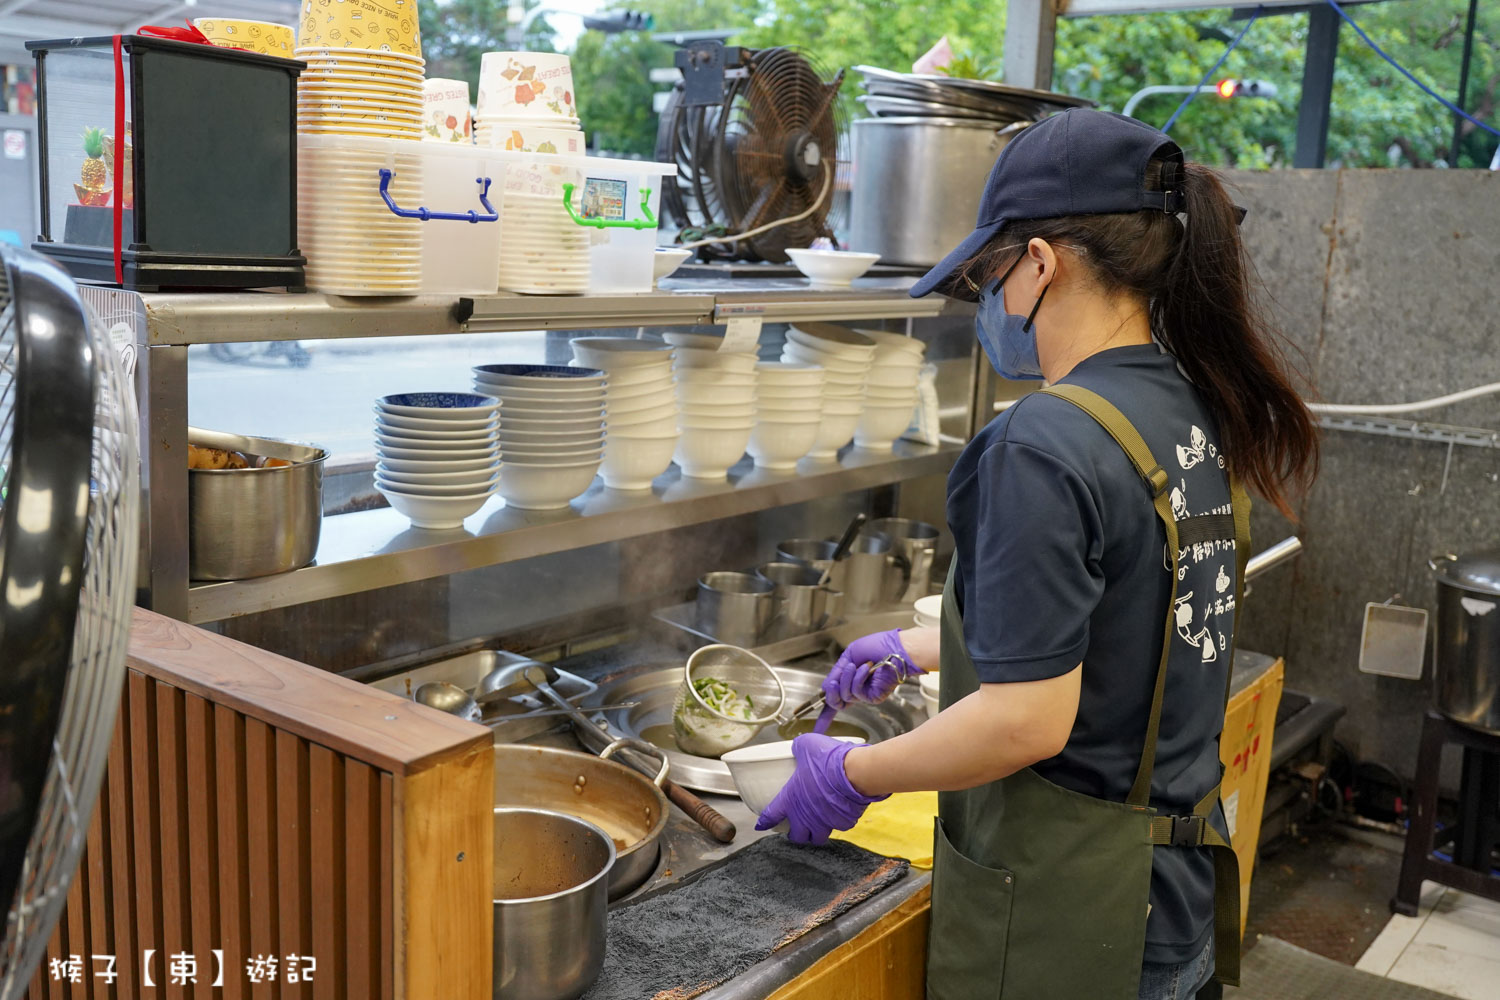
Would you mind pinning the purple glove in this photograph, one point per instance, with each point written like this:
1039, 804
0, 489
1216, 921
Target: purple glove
861, 675
819, 798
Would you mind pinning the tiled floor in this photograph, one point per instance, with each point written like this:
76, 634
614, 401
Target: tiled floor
1452, 945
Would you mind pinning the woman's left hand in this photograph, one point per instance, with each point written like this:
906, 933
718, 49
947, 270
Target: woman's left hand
819, 798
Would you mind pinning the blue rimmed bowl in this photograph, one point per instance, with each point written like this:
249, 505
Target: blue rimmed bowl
440, 405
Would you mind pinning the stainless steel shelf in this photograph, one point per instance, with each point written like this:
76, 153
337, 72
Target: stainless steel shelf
380, 548
174, 319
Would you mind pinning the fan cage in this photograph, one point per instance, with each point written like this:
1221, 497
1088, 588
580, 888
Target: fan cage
96, 667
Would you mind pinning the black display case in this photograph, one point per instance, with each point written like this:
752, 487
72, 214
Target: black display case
206, 189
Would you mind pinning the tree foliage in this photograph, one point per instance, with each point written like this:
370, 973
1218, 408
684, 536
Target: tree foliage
1379, 118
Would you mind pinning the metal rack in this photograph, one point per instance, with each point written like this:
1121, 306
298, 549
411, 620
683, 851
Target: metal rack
365, 551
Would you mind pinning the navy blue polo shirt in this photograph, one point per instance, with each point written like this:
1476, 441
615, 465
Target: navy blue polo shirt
1062, 560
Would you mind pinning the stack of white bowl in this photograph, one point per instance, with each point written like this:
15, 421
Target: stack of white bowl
551, 430
890, 390
845, 357
716, 404
527, 104
640, 413
437, 451
789, 413
928, 612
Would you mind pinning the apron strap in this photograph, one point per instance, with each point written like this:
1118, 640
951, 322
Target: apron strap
1129, 439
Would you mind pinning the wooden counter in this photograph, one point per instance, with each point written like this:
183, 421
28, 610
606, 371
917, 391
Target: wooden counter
261, 807
888, 961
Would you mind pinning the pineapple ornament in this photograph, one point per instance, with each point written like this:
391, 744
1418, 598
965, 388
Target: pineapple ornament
95, 175
127, 177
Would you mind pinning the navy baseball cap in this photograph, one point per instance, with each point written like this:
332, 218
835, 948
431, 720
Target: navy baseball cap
1079, 162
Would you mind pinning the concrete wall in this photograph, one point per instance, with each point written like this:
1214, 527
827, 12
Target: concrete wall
1389, 282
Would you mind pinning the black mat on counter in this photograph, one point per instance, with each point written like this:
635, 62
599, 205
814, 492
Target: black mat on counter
685, 939
1275, 970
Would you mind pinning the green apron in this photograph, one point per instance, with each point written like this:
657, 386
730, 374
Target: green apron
1040, 892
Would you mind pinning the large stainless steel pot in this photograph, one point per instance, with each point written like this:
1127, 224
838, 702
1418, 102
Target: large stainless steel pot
625, 804
551, 901
245, 523
1467, 646
917, 183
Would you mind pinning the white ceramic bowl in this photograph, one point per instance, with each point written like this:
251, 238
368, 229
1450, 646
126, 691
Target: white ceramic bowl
761, 769
665, 427
545, 487
437, 447
832, 267
789, 373
513, 397
456, 406
430, 466
716, 421
887, 378
834, 364
641, 415
930, 607
726, 361
810, 414
457, 439
549, 442
700, 392
475, 478
610, 353
577, 423
834, 431
666, 260
434, 456
696, 341
661, 387
713, 376
779, 444
551, 456
435, 512
886, 342
551, 378
835, 340
427, 490
879, 427
707, 454
632, 463
773, 391
465, 425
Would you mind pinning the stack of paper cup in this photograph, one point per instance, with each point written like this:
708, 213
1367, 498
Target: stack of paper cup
445, 111
364, 69
527, 105
353, 242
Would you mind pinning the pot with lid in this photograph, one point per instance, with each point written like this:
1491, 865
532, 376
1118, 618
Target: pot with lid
1466, 650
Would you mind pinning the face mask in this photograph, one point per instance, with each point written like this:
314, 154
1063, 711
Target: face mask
1009, 340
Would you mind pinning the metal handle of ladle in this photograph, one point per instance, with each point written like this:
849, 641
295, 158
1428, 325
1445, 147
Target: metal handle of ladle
1283, 551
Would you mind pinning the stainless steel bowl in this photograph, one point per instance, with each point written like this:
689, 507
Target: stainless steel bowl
245, 523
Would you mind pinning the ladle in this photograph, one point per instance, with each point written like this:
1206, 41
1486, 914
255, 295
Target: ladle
448, 698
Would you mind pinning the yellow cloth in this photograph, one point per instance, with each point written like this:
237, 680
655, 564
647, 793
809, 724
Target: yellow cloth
900, 826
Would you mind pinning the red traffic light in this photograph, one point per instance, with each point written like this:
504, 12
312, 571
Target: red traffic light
1227, 88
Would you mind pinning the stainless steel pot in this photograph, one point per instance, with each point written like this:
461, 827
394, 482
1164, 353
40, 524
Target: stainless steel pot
551, 900
1467, 642
917, 541
803, 603
876, 574
917, 183
622, 802
736, 608
244, 523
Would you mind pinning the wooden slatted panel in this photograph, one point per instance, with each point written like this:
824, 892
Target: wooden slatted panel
203, 842
327, 839
124, 944
390, 911
294, 900
94, 866
144, 822
361, 851
234, 870
260, 848
171, 815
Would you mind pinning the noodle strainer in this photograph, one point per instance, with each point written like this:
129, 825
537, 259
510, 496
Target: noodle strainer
708, 718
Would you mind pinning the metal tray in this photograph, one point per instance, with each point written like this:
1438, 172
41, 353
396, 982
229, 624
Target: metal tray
468, 670
655, 687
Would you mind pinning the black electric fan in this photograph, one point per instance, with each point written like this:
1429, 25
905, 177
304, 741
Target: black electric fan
69, 532
754, 144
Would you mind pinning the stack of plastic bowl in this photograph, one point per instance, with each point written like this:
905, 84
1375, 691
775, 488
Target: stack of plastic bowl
890, 390
364, 70
551, 430
527, 104
928, 612
716, 405
845, 357
789, 413
437, 451
640, 407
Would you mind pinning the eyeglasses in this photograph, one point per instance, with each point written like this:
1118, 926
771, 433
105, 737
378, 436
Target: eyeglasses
1016, 246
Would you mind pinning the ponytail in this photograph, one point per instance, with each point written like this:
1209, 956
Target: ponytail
1197, 282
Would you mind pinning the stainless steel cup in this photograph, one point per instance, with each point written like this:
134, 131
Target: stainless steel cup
551, 893
803, 603
814, 552
875, 573
917, 541
736, 608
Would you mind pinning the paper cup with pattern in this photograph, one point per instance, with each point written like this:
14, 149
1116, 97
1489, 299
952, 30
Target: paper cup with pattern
378, 25
253, 36
526, 85
445, 111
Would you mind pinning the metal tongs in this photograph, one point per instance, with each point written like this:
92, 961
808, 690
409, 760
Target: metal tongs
818, 703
